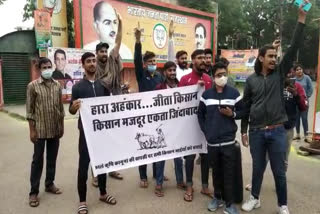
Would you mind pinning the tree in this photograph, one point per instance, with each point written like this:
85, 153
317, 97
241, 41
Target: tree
30, 6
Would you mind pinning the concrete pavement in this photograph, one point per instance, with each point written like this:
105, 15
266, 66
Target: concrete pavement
16, 152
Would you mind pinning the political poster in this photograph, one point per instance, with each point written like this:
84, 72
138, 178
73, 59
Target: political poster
130, 130
96, 21
67, 68
241, 63
59, 26
42, 25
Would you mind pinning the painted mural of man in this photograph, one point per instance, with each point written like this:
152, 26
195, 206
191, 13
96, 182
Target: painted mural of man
200, 36
106, 27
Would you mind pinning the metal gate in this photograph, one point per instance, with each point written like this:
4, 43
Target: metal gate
16, 76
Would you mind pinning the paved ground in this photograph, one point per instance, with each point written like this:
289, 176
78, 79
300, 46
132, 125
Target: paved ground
16, 151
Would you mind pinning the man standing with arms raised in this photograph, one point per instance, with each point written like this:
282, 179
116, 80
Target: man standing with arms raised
264, 101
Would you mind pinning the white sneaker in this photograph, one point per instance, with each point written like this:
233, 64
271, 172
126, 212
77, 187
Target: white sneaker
251, 204
283, 210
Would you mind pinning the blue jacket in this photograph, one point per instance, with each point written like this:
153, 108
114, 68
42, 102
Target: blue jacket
145, 81
217, 127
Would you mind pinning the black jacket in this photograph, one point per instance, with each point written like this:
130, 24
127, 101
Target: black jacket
86, 89
145, 81
263, 95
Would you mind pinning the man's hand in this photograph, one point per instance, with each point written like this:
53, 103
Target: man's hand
302, 14
137, 33
276, 44
292, 90
201, 83
226, 111
171, 29
33, 135
244, 139
75, 106
62, 129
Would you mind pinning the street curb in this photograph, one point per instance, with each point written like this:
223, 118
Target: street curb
14, 115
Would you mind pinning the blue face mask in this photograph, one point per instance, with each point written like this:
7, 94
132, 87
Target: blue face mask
152, 68
47, 74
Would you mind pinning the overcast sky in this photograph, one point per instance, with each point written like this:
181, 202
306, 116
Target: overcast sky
11, 16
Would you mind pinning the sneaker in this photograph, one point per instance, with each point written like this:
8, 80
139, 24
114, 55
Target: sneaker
230, 210
251, 204
215, 204
283, 210
307, 140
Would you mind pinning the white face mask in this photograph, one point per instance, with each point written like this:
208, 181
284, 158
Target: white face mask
47, 74
222, 81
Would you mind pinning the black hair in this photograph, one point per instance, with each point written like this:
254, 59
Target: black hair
96, 10
60, 51
297, 65
224, 61
217, 66
43, 60
101, 45
204, 29
169, 64
196, 53
208, 51
180, 53
148, 55
85, 56
262, 52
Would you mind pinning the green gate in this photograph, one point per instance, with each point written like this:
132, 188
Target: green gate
16, 76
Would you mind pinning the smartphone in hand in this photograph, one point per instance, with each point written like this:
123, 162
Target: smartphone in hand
305, 6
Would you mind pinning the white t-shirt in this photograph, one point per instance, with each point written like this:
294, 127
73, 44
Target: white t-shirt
181, 72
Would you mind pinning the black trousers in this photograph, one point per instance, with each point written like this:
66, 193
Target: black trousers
84, 161
143, 171
222, 160
204, 170
37, 163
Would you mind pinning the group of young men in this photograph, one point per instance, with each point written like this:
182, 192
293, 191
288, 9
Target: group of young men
268, 99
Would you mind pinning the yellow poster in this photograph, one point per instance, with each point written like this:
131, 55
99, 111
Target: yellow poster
58, 11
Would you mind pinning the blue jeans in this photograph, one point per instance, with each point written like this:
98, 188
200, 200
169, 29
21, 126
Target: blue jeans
274, 143
178, 162
159, 172
304, 117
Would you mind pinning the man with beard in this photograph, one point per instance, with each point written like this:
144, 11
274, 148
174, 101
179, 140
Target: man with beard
208, 53
266, 115
109, 65
197, 76
88, 87
181, 56
102, 59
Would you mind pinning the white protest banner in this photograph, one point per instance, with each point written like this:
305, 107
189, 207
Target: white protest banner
134, 129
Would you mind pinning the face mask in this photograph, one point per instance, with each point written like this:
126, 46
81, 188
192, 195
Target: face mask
222, 81
152, 68
47, 74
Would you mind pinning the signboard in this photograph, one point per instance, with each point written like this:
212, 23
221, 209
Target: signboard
130, 130
241, 63
42, 25
67, 68
96, 20
58, 12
